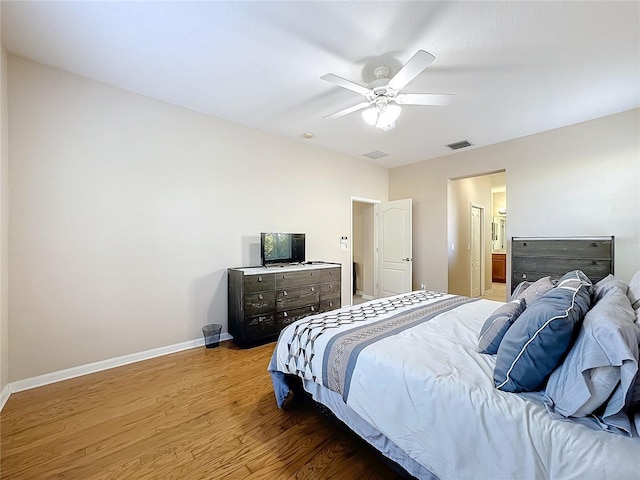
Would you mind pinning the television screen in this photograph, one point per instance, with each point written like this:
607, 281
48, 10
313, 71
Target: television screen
282, 247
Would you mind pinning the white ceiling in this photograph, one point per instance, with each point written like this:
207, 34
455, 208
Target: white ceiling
516, 68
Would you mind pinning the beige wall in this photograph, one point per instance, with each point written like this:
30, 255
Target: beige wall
499, 200
4, 220
126, 212
579, 180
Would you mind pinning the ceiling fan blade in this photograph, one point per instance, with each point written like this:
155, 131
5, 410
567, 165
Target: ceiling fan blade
344, 83
411, 69
424, 98
346, 111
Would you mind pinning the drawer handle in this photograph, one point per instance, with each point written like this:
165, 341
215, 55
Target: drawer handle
285, 314
331, 304
524, 244
313, 309
313, 289
524, 261
284, 293
259, 278
260, 296
594, 244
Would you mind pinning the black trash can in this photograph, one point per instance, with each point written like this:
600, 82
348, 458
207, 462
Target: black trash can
211, 335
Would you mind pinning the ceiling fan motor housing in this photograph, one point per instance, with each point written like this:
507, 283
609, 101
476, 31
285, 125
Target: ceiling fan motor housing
379, 86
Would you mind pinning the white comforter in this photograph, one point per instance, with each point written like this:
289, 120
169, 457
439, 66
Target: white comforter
430, 392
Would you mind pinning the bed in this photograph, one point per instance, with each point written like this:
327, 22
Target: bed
407, 374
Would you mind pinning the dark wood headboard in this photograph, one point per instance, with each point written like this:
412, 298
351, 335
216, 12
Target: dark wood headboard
536, 257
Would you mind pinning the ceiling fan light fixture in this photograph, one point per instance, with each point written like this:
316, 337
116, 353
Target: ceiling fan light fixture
390, 113
370, 115
382, 115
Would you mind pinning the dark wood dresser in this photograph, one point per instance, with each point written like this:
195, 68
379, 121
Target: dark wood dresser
535, 257
263, 300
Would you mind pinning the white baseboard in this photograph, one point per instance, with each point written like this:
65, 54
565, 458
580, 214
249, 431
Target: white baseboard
4, 396
73, 372
364, 297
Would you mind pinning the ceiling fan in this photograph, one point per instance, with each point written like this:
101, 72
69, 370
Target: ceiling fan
383, 97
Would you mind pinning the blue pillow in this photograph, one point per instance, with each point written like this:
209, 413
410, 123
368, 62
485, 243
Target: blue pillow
497, 325
536, 342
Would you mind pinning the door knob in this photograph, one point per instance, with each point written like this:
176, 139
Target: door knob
406, 259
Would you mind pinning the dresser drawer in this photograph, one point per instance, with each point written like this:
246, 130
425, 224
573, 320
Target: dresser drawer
326, 305
258, 303
259, 283
330, 274
258, 327
289, 280
285, 317
330, 291
297, 297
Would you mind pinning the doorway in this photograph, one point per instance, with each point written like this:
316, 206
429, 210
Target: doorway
381, 248
470, 243
362, 249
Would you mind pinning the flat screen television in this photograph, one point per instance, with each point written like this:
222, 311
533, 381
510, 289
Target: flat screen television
282, 248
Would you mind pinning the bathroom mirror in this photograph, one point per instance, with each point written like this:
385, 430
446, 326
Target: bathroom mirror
499, 230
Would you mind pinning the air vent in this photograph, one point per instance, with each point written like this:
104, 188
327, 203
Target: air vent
375, 155
459, 145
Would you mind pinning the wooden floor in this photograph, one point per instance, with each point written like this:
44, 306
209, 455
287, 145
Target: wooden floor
198, 414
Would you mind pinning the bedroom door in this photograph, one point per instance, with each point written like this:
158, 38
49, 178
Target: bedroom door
393, 247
